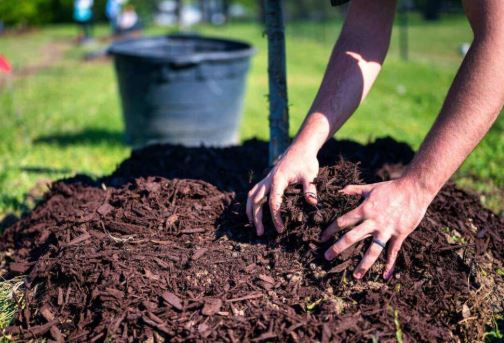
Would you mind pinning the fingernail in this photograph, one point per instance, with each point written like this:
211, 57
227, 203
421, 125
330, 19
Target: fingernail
328, 255
357, 275
387, 275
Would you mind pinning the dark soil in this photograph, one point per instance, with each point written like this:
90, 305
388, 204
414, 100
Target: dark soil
161, 250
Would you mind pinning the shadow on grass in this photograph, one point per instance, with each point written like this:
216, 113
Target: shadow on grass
90, 136
45, 170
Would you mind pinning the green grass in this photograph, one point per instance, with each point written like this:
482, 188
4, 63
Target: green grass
8, 308
61, 116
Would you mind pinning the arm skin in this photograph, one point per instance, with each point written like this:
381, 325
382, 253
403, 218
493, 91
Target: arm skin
393, 209
473, 102
354, 65
352, 69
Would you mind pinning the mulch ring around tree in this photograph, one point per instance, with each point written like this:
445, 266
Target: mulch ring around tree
161, 251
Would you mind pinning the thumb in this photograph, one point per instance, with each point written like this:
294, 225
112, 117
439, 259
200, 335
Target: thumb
356, 189
310, 192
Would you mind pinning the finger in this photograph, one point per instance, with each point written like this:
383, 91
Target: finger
350, 238
259, 200
275, 201
330, 231
310, 192
250, 204
351, 218
392, 252
369, 259
356, 189
258, 217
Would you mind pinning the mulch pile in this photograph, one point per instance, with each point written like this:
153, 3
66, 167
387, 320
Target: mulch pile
161, 251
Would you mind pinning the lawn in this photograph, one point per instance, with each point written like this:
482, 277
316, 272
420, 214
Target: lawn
60, 115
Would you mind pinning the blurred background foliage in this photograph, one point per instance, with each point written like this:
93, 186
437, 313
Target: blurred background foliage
21, 13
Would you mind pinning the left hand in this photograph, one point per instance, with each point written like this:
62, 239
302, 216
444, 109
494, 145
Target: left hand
390, 211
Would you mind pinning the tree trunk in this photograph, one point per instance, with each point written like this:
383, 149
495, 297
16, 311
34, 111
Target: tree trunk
279, 112
204, 10
432, 10
261, 16
225, 9
178, 12
302, 11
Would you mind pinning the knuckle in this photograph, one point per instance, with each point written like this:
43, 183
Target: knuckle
274, 205
375, 251
259, 196
348, 238
312, 172
368, 209
334, 249
276, 177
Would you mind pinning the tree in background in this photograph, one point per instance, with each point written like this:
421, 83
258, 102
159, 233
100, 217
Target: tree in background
145, 9
24, 12
38, 12
18, 13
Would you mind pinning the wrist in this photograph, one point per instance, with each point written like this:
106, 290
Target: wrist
423, 191
314, 132
301, 147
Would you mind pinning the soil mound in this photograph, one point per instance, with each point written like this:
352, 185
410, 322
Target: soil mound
161, 250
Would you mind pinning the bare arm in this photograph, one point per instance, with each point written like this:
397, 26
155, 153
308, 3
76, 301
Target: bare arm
473, 102
392, 210
352, 69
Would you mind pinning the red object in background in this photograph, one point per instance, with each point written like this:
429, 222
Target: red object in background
5, 65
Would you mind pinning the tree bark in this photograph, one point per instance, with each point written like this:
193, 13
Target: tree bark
261, 15
432, 10
225, 9
178, 12
204, 10
279, 112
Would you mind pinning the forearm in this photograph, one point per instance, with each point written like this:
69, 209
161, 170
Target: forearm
471, 107
352, 69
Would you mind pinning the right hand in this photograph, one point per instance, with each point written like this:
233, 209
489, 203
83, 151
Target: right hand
295, 166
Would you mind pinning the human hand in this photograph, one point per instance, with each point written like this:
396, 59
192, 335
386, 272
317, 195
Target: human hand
390, 211
296, 166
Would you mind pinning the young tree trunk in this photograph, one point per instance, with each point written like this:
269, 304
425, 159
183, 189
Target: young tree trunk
204, 10
178, 12
225, 9
261, 15
279, 112
432, 10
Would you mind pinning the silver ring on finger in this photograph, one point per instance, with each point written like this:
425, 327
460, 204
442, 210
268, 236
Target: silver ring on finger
380, 243
311, 194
